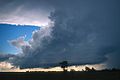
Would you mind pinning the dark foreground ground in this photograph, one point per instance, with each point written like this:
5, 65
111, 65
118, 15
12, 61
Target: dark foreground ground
94, 75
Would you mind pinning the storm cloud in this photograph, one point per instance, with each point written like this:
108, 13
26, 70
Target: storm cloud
4, 57
24, 12
84, 32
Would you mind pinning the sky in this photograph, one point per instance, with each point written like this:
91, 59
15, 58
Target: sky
82, 32
9, 32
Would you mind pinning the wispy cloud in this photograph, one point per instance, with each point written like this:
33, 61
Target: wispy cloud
24, 13
19, 42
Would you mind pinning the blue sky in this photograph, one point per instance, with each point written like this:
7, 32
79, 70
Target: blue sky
10, 32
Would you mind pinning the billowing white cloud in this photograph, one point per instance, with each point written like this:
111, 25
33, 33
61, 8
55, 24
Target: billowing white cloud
5, 65
19, 42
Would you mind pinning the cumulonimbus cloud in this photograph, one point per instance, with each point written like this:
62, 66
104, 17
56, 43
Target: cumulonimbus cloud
84, 32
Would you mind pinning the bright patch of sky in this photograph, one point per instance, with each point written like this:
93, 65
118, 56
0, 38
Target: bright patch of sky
10, 32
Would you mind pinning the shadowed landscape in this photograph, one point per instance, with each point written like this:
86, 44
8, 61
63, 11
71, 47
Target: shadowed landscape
72, 75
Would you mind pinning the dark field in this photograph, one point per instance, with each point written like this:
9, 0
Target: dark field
94, 75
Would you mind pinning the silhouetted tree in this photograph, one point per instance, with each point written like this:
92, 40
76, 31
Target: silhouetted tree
87, 69
72, 70
64, 65
82, 69
115, 69
93, 69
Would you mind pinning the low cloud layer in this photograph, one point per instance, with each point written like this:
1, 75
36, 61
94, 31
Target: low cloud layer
4, 57
84, 32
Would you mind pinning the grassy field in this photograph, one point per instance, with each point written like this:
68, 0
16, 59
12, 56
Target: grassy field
94, 75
